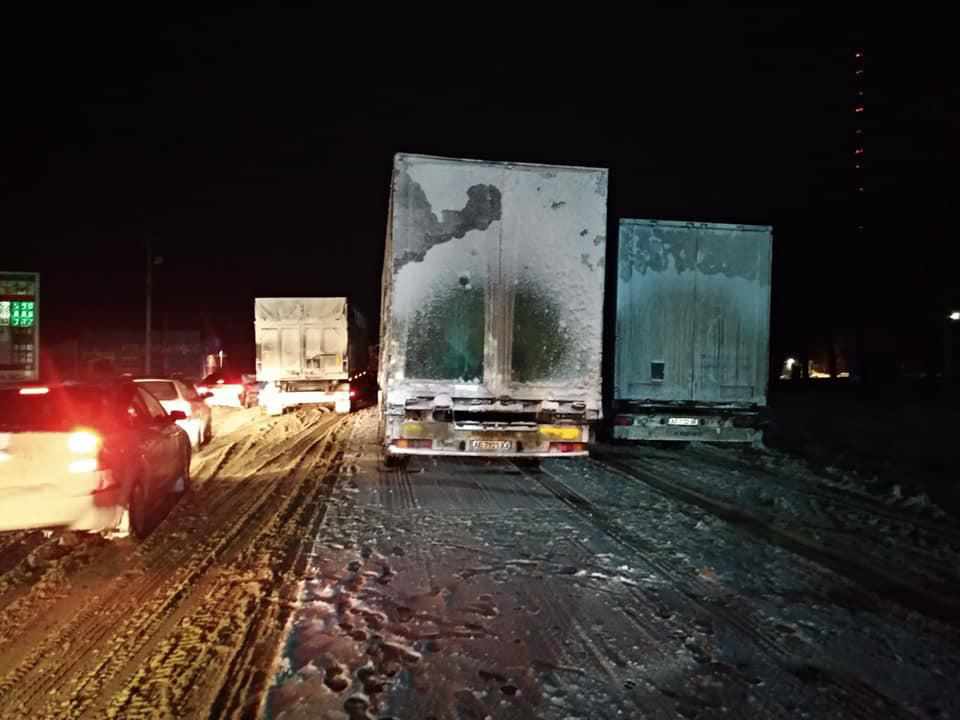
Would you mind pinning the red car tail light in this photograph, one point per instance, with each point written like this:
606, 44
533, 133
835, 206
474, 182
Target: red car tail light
567, 447
87, 444
84, 442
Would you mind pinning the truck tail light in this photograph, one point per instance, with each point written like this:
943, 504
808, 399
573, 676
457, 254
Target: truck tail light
623, 420
413, 444
567, 447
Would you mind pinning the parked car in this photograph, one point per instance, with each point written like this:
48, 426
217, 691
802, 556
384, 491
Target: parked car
88, 456
230, 389
175, 394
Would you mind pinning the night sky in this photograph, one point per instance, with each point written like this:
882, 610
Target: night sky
254, 151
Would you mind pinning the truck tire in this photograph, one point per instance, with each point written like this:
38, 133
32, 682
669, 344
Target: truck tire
395, 462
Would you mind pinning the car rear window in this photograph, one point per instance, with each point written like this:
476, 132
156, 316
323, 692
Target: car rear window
160, 389
59, 410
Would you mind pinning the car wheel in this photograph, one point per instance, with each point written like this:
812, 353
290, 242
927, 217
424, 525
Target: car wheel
182, 485
138, 511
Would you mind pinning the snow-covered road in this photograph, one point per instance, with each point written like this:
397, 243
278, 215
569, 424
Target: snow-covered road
300, 579
471, 589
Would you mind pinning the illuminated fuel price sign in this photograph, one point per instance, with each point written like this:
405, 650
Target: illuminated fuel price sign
22, 313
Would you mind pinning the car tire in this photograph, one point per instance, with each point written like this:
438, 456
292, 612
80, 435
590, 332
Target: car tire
139, 511
208, 433
182, 486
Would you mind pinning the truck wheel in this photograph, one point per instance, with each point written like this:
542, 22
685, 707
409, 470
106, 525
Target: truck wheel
395, 461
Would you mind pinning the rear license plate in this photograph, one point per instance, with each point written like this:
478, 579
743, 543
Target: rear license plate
683, 421
500, 445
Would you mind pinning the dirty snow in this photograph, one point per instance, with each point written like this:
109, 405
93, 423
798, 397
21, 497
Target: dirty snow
483, 589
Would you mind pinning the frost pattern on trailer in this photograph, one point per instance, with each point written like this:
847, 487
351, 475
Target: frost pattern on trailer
497, 278
297, 309
692, 300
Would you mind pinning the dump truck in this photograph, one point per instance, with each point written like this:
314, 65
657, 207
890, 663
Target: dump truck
692, 331
308, 348
492, 305
19, 327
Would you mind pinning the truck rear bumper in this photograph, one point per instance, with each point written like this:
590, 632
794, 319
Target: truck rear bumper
391, 450
275, 403
664, 426
406, 437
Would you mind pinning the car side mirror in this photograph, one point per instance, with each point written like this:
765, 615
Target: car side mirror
177, 415
206, 396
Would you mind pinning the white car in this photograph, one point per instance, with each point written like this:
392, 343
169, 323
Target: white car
81, 456
177, 395
229, 389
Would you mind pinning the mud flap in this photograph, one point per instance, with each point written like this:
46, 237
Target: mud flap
122, 528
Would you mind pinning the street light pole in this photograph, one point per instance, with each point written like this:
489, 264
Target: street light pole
948, 329
149, 320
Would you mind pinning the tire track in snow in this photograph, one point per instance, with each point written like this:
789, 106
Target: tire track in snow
15, 548
830, 493
229, 633
875, 579
124, 617
835, 505
863, 701
151, 614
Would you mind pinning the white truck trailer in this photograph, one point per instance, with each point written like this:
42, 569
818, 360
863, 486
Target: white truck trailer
491, 323
307, 351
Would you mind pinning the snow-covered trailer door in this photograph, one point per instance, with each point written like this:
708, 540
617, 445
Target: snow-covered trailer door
693, 312
494, 280
440, 277
552, 271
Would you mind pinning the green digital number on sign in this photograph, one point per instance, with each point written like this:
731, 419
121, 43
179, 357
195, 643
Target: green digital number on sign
21, 314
